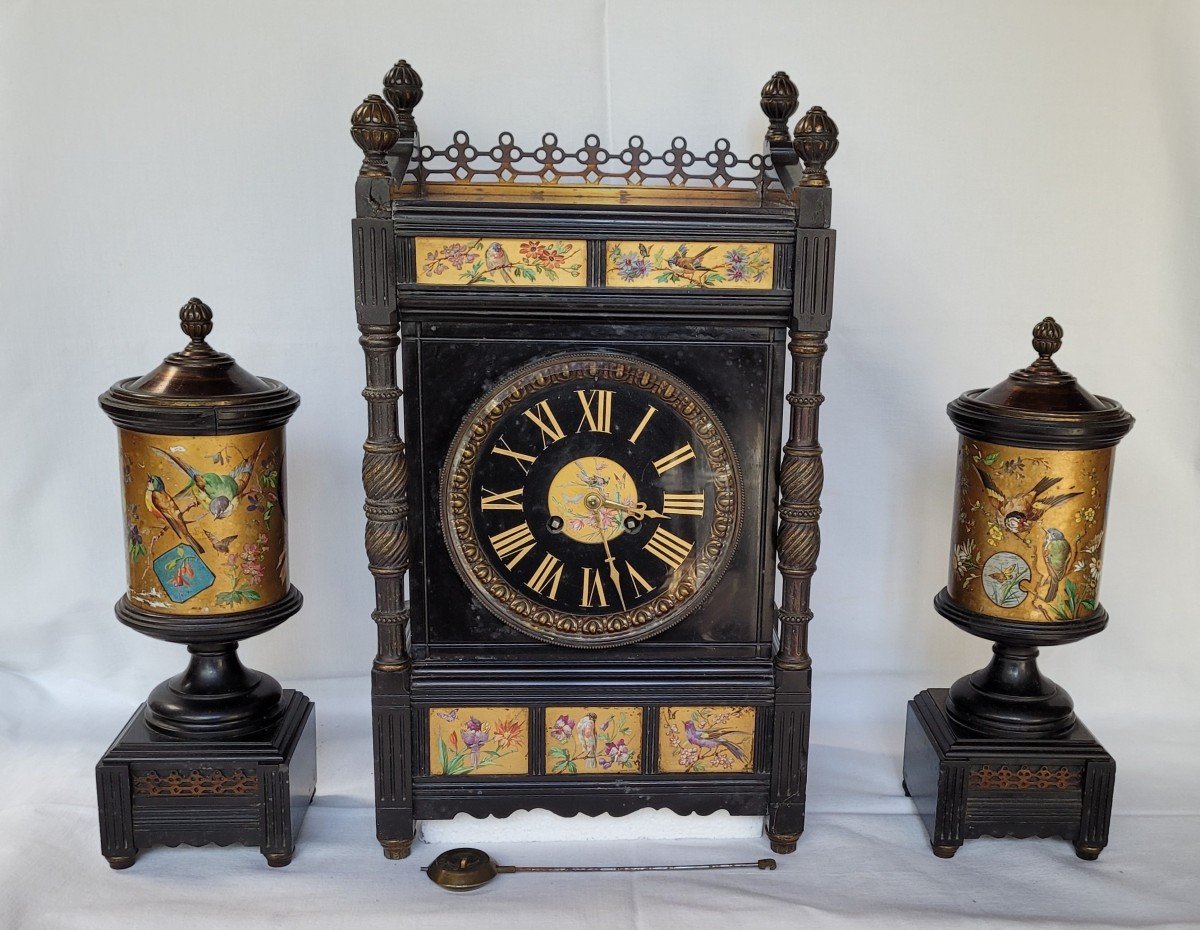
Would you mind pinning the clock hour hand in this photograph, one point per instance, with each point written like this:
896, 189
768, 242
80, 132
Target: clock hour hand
637, 511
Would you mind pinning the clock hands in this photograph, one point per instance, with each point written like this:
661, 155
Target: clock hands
638, 511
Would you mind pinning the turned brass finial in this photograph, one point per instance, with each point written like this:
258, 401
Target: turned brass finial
373, 128
779, 101
816, 141
402, 87
1047, 338
195, 319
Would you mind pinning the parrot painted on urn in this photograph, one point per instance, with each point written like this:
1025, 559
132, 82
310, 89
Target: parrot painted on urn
1057, 552
219, 492
163, 506
1022, 511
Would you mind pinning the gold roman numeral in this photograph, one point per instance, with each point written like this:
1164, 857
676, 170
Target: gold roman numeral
600, 419
503, 448
541, 414
515, 542
685, 505
640, 584
505, 500
668, 547
678, 457
593, 588
547, 575
650, 411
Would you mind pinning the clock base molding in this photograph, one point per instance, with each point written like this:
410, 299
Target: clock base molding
156, 790
968, 785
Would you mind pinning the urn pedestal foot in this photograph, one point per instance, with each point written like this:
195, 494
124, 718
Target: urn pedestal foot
967, 785
255, 790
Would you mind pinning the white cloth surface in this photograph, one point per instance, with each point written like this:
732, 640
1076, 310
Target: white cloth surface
863, 860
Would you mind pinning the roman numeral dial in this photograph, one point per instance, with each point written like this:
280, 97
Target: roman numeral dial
583, 504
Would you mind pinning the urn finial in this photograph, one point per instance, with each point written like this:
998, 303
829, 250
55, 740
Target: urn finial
816, 141
373, 128
195, 319
403, 89
779, 101
1047, 338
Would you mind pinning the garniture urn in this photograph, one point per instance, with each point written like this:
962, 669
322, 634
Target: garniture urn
205, 528
1035, 458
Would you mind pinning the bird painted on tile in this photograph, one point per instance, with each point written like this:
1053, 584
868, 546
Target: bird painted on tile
1021, 512
585, 733
220, 492
474, 737
1057, 551
163, 506
497, 260
681, 261
711, 739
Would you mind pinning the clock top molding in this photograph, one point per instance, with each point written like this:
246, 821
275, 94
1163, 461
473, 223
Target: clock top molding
583, 221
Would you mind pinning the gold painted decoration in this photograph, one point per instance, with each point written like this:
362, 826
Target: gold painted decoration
1029, 531
702, 265
204, 521
706, 739
478, 741
501, 262
593, 740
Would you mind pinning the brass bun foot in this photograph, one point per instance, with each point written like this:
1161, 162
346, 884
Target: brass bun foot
944, 852
278, 860
783, 843
124, 862
396, 849
1089, 853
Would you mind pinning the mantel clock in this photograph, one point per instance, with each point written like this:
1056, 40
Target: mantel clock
592, 492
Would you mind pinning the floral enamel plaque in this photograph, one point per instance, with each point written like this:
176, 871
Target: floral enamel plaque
478, 741
501, 262
593, 740
706, 739
701, 265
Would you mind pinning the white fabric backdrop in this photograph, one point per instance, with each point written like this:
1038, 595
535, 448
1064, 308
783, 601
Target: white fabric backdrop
999, 161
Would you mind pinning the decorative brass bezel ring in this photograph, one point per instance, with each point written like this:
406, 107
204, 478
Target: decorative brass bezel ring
587, 631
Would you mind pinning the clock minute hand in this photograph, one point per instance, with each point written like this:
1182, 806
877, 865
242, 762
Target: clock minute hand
638, 511
612, 564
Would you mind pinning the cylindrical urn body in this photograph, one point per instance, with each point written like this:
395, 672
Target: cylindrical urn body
204, 521
1028, 531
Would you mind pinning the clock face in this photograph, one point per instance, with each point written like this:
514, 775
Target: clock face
591, 500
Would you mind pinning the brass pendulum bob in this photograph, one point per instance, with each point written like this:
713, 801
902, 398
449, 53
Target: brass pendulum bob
466, 869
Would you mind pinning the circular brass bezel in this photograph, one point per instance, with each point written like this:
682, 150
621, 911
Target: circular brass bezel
589, 631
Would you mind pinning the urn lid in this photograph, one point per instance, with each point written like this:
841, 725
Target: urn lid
1041, 406
198, 390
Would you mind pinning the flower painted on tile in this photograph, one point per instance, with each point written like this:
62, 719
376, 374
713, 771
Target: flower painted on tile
632, 267
616, 753
562, 728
